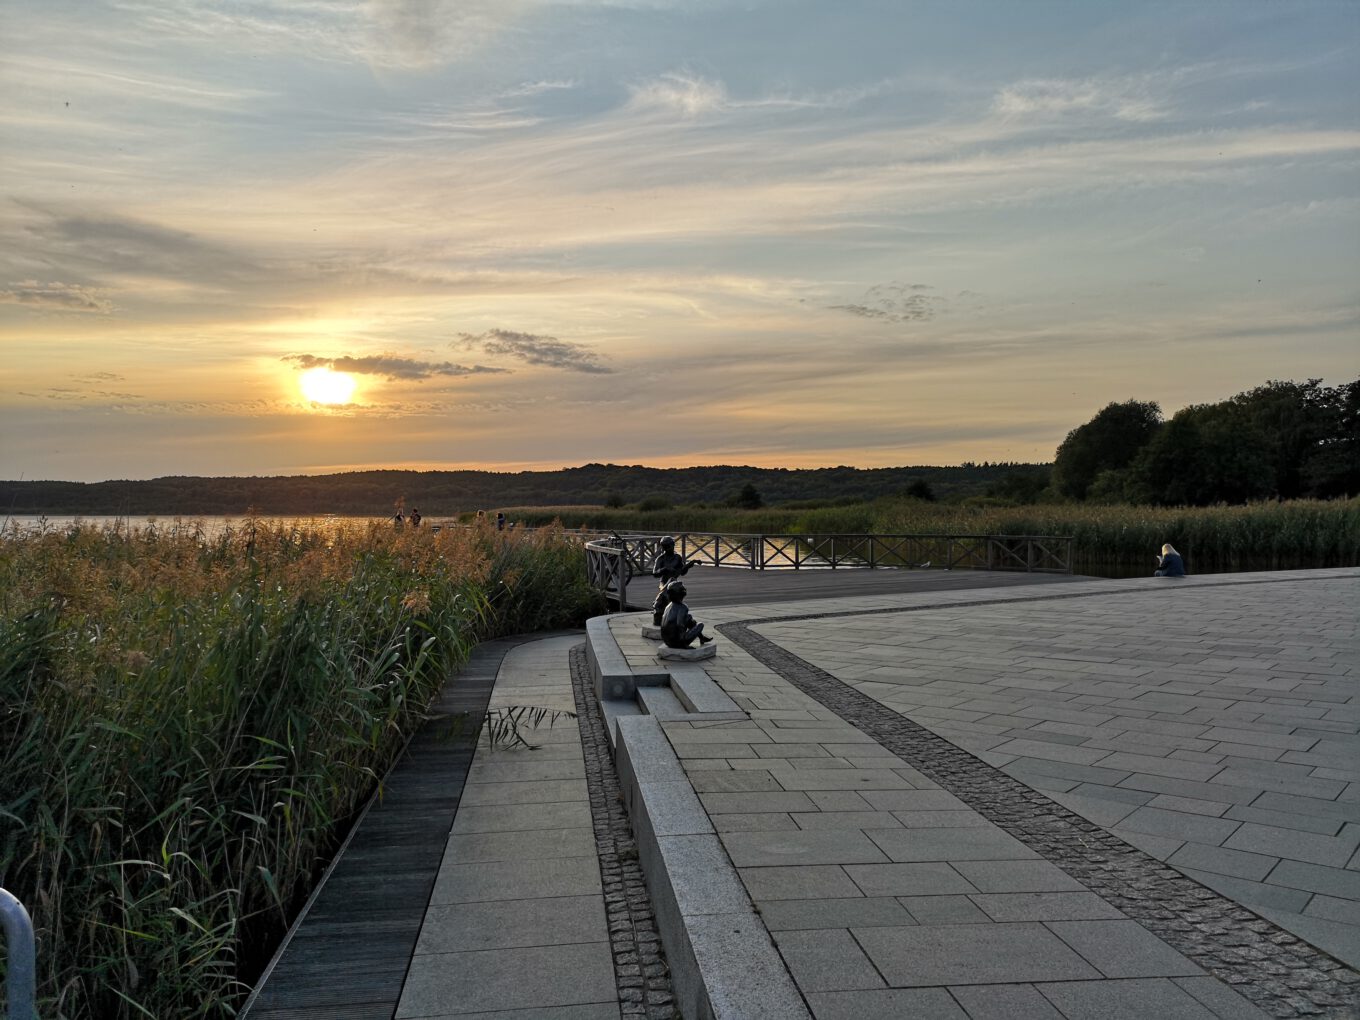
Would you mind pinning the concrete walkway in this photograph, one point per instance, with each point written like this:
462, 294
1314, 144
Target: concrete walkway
516, 923
1211, 724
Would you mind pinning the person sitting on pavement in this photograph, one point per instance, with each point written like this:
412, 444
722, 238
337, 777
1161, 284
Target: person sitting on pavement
678, 628
668, 566
1169, 564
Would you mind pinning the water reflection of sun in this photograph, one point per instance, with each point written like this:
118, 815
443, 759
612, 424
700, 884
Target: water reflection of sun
322, 386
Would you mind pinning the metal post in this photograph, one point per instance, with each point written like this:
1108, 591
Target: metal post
23, 958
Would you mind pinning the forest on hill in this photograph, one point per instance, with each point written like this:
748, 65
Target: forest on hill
440, 493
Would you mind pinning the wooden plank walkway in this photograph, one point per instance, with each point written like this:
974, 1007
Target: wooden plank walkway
347, 956
728, 586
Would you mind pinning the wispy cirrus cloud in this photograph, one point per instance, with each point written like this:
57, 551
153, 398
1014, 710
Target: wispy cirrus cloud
392, 367
896, 302
1124, 98
689, 95
536, 350
56, 297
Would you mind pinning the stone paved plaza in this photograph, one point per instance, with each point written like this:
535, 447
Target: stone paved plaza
1095, 800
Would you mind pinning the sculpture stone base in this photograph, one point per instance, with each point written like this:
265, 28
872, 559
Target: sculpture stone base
650, 632
688, 654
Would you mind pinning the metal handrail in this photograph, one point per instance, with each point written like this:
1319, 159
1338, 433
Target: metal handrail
22, 977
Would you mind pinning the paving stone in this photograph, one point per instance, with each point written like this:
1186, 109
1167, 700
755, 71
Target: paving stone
907, 879
594, 1011
545, 792
536, 844
1052, 906
944, 910
967, 843
1004, 1002
830, 846
754, 822
886, 1004
1334, 851
1223, 861
522, 817
1317, 878
754, 803
508, 924
826, 960
849, 820
1255, 895
1123, 949
1016, 877
858, 780
1190, 805
1126, 1000
912, 800
939, 819
735, 782
1179, 825
971, 953
797, 883
1099, 810
525, 771
857, 911
508, 880
838, 800
1219, 998
508, 979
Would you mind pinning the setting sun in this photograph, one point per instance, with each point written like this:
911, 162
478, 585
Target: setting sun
322, 386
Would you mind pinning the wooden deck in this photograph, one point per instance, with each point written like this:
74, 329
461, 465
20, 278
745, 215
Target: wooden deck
346, 958
728, 586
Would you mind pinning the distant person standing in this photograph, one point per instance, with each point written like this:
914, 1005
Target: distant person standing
1169, 564
399, 519
415, 516
500, 521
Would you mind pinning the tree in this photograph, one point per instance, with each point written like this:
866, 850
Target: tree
1206, 453
613, 500
1332, 467
920, 489
1108, 442
747, 498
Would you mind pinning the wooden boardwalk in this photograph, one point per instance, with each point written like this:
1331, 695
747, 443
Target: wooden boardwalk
729, 586
348, 956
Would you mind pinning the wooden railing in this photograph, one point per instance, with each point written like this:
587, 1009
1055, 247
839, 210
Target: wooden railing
612, 561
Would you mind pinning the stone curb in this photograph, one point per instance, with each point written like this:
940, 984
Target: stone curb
724, 965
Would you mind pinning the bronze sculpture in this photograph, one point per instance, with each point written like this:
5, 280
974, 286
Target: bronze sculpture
668, 566
678, 627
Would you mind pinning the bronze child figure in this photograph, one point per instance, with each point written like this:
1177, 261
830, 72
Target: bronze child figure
668, 566
678, 628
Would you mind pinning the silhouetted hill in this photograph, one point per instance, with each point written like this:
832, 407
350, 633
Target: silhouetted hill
447, 492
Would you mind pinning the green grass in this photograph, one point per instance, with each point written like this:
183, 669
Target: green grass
187, 724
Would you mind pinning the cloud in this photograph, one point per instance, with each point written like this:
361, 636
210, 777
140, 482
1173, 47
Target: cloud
391, 367
535, 88
1123, 98
536, 350
56, 297
680, 92
897, 302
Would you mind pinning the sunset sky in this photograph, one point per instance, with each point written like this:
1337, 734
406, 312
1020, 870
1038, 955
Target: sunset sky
538, 233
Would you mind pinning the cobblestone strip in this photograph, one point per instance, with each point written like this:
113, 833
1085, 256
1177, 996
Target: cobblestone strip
640, 969
1278, 971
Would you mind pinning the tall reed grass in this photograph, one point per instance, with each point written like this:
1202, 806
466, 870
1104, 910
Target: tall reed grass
187, 722
1109, 541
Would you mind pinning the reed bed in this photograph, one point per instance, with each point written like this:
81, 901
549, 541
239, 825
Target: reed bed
187, 723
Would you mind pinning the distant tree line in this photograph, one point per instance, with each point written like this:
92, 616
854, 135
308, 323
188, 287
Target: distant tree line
444, 493
1283, 440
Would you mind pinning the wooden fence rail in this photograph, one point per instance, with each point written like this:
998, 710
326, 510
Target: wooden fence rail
612, 561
